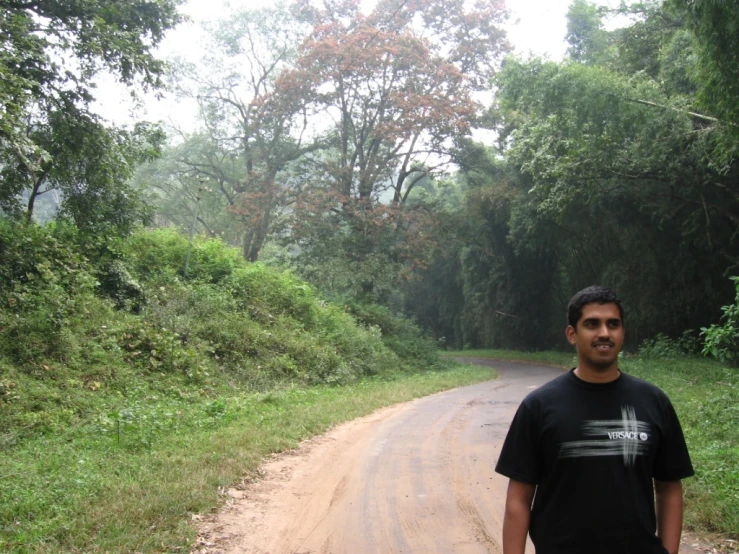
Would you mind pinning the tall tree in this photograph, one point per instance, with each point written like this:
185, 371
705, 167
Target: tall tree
50, 52
715, 24
187, 198
391, 92
627, 172
586, 35
398, 83
244, 144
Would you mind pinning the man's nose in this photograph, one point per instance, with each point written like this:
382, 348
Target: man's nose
604, 330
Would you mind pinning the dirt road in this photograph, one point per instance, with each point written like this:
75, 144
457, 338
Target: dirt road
412, 478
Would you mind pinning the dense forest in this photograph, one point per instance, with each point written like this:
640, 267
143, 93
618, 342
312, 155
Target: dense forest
337, 143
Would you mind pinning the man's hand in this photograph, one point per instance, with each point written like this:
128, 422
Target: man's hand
517, 516
669, 504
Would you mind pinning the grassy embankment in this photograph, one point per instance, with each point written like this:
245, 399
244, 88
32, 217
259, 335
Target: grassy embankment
706, 397
131, 395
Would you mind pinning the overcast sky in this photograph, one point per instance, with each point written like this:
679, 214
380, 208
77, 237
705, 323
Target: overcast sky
535, 26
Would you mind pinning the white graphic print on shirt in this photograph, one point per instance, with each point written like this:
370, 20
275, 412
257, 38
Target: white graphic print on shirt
625, 437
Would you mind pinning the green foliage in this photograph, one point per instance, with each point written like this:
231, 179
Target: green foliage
715, 24
49, 139
722, 340
617, 183
608, 171
640, 46
161, 254
679, 60
585, 34
662, 346
402, 336
485, 284
158, 349
184, 197
44, 283
261, 289
124, 323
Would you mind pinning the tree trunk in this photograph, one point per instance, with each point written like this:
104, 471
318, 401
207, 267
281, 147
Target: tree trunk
32, 197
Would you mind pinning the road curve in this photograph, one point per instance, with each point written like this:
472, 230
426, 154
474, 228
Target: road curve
412, 478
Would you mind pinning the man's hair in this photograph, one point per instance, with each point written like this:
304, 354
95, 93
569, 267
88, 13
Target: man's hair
591, 295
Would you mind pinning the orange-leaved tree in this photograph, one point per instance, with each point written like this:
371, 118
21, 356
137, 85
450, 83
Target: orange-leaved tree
390, 93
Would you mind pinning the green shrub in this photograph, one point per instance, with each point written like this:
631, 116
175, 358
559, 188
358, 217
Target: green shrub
264, 292
43, 281
161, 254
400, 334
117, 283
158, 349
722, 341
663, 346
86, 337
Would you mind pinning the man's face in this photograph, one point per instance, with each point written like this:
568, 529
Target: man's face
598, 337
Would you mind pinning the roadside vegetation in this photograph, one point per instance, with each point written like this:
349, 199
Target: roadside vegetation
705, 394
131, 394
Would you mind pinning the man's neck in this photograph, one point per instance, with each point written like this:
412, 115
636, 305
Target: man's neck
599, 376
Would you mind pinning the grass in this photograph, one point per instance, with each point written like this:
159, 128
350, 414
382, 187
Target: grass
706, 397
558, 359
103, 488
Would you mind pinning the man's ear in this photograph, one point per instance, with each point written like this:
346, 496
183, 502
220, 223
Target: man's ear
570, 333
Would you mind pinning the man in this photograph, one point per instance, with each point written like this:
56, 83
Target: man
593, 449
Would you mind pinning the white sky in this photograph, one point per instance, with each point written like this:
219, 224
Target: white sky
535, 27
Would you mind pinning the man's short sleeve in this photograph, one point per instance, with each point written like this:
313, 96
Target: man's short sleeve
519, 457
673, 461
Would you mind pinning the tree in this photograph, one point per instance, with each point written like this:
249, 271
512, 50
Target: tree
389, 92
610, 169
244, 144
715, 24
398, 94
51, 51
87, 165
185, 197
586, 36
629, 177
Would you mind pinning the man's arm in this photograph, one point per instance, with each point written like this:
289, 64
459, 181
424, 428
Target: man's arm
517, 516
669, 503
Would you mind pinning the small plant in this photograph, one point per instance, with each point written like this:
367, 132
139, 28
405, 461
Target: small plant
722, 341
215, 408
159, 350
662, 346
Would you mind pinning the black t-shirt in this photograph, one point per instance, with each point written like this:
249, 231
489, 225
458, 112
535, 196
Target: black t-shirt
593, 451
